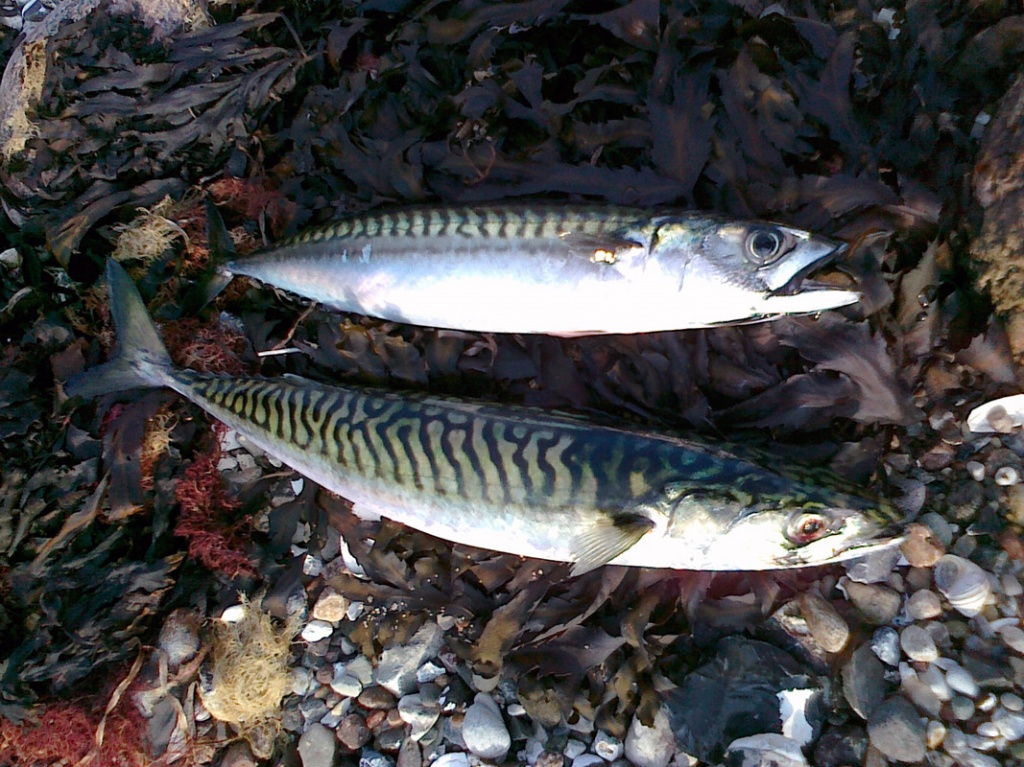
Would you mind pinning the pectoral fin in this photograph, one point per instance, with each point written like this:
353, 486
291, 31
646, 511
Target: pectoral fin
602, 542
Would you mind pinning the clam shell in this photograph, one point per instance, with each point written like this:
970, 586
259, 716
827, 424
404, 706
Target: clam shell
963, 583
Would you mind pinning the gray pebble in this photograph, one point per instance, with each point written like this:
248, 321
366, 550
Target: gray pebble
1010, 725
885, 643
863, 681
313, 709
484, 731
360, 668
607, 747
302, 678
1013, 636
574, 748
874, 567
765, 750
409, 754
827, 627
371, 758
316, 630
1011, 702
936, 681
963, 708
921, 695
347, 686
650, 746
397, 668
876, 603
454, 759
918, 644
938, 524
588, 760
987, 730
923, 605
895, 729
316, 747
428, 672
958, 678
420, 716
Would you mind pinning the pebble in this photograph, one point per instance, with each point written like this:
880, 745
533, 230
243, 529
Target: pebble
940, 526
313, 709
875, 567
962, 707
352, 732
179, 637
302, 678
988, 730
827, 626
885, 643
918, 644
454, 759
921, 547
371, 758
1010, 725
316, 630
376, 698
574, 748
330, 606
409, 754
347, 686
650, 746
1013, 636
397, 668
607, 747
484, 731
936, 682
959, 679
1011, 702
924, 605
588, 760
418, 715
765, 750
895, 729
1006, 476
360, 668
876, 603
976, 469
428, 672
316, 747
336, 714
935, 734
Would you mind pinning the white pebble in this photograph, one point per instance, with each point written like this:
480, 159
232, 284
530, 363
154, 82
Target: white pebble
1013, 636
988, 702
923, 605
585, 760
1011, 702
573, 748
977, 470
988, 730
607, 747
961, 680
918, 644
316, 630
347, 686
1006, 476
233, 614
453, 759
936, 681
1010, 585
1009, 725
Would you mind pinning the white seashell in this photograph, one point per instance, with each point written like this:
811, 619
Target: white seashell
1000, 415
963, 583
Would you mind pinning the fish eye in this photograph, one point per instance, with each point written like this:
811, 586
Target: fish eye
764, 245
807, 527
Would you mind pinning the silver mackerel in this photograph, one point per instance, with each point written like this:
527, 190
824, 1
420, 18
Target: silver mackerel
564, 270
516, 479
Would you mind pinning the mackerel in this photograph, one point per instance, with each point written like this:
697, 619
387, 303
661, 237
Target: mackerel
565, 270
517, 479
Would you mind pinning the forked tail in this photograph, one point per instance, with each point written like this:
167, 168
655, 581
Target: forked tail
141, 359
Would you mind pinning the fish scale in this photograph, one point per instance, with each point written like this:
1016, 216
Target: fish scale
517, 479
550, 268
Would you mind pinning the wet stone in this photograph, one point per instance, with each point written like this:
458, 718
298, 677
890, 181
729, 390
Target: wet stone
1013, 636
352, 732
347, 686
863, 681
876, 603
922, 547
330, 606
918, 644
418, 714
316, 747
895, 729
962, 707
550, 759
397, 668
939, 526
484, 731
315, 631
936, 682
827, 627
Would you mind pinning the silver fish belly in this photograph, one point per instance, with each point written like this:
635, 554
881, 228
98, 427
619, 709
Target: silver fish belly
563, 270
513, 479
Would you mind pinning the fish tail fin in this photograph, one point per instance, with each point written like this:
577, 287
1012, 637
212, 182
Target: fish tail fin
141, 360
217, 277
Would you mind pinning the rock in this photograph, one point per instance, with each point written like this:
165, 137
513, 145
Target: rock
361, 669
924, 605
301, 678
959, 679
876, 603
376, 698
895, 729
179, 637
1013, 636
863, 681
1010, 725
316, 630
419, 715
885, 644
918, 644
735, 694
330, 606
313, 709
874, 567
409, 755
841, 746
764, 750
371, 758
484, 731
347, 686
921, 547
316, 747
650, 746
962, 708
826, 625
607, 747
398, 665
352, 732
588, 760
456, 759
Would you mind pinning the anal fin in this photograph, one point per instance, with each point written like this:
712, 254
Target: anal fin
602, 542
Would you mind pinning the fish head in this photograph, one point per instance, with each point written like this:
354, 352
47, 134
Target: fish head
725, 528
760, 265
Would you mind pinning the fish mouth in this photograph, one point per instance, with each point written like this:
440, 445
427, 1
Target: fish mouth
852, 549
791, 292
